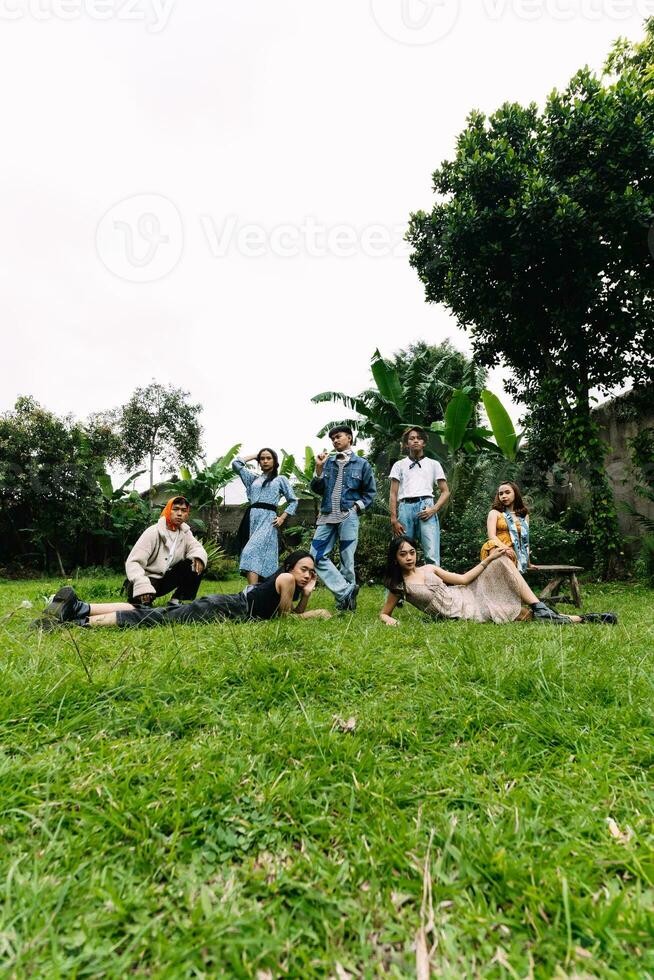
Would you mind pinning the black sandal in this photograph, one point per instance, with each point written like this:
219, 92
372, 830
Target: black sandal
609, 619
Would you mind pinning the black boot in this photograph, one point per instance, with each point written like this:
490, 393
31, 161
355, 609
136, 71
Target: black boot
64, 607
543, 614
609, 619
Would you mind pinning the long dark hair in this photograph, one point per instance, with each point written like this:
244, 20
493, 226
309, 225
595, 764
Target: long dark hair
289, 563
275, 470
519, 506
295, 556
392, 577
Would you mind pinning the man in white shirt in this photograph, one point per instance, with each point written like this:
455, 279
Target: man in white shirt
412, 506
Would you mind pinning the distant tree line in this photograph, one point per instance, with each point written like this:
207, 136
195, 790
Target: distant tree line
58, 507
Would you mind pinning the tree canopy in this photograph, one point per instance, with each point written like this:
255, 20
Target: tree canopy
49, 467
158, 423
538, 243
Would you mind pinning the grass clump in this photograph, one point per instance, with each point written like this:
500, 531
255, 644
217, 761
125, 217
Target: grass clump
185, 802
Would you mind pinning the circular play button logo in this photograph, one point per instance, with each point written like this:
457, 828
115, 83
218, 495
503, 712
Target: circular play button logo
415, 21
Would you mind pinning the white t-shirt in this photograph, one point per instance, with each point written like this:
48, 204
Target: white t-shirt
172, 540
417, 478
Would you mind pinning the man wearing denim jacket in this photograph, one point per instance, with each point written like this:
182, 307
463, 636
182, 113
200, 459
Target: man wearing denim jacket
347, 485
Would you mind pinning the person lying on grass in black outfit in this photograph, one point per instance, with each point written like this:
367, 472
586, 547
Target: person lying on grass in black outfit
292, 583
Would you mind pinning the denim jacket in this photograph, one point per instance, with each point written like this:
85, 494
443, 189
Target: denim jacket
358, 486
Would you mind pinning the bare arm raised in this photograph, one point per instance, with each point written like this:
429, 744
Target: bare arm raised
285, 586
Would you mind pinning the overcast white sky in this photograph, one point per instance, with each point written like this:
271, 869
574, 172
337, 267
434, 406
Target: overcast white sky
214, 194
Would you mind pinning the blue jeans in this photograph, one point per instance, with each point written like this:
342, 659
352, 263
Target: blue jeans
427, 532
342, 582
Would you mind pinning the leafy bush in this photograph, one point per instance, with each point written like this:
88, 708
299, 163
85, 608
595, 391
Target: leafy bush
644, 565
554, 544
374, 537
551, 543
222, 570
462, 535
125, 521
219, 564
297, 537
100, 571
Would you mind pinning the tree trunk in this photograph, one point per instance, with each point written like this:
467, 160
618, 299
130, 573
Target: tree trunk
213, 523
151, 476
59, 561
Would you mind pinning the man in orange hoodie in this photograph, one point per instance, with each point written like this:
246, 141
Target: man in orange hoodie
165, 558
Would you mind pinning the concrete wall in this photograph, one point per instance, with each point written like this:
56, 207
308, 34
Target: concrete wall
620, 419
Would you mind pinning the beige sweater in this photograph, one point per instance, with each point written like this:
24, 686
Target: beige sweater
147, 559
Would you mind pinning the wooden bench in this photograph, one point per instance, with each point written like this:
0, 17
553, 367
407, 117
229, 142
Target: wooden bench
558, 574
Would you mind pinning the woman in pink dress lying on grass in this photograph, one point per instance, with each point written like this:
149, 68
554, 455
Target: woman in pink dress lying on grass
492, 591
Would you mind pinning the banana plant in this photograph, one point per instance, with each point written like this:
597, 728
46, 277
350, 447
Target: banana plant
459, 431
126, 513
111, 493
202, 487
504, 432
301, 476
382, 413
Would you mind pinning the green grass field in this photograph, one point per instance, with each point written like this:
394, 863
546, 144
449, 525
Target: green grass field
183, 803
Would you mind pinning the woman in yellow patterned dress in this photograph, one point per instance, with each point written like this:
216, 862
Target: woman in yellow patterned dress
507, 526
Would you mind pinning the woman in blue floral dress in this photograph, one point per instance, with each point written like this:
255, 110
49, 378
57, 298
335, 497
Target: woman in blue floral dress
258, 531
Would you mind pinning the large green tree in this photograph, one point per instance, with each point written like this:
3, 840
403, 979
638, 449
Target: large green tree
158, 423
50, 503
538, 243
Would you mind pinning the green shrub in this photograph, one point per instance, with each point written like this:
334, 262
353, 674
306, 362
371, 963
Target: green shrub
462, 535
295, 538
554, 544
221, 569
100, 571
644, 565
374, 537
